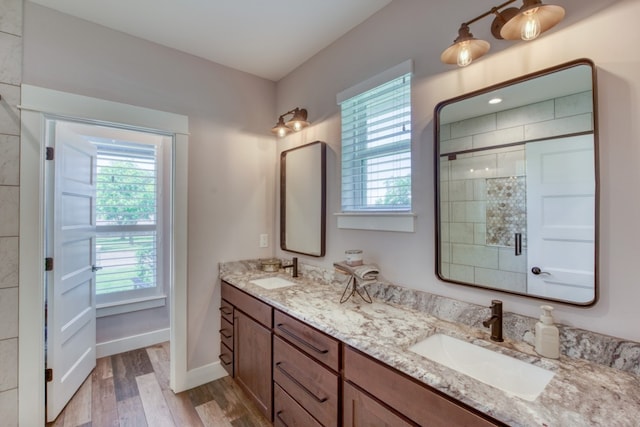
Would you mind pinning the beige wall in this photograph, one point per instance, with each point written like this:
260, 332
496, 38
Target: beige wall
232, 155
10, 77
402, 31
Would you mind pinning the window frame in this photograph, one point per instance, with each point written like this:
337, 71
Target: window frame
119, 302
400, 220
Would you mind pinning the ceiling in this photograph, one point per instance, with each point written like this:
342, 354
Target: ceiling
265, 38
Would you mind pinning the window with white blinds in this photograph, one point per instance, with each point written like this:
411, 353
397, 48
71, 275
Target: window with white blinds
376, 148
127, 220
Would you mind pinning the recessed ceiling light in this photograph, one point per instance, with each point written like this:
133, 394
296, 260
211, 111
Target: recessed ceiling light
495, 101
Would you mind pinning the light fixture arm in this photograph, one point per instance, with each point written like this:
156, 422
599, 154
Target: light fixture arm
495, 10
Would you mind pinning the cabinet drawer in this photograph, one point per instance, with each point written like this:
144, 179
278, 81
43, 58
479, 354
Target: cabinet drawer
311, 341
258, 310
226, 310
226, 332
312, 385
226, 358
288, 413
416, 401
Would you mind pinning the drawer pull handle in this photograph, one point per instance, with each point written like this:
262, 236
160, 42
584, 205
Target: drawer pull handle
299, 384
222, 332
300, 340
226, 311
222, 359
280, 418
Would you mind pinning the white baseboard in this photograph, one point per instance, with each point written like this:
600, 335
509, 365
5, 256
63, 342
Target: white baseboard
133, 342
203, 374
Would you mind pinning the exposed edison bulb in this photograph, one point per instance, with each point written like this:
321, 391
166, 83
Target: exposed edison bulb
297, 126
531, 26
464, 54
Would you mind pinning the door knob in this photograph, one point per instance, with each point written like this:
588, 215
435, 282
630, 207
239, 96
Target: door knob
537, 271
95, 268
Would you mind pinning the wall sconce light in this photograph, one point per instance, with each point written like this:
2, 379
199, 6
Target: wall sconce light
297, 122
531, 20
526, 23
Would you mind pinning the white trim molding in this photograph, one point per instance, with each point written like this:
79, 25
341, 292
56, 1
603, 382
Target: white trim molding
38, 103
203, 374
133, 342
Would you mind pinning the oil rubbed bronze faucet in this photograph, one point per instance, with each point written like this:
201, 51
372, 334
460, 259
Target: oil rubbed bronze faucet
495, 321
293, 266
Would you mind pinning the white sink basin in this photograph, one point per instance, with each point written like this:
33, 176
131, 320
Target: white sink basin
272, 282
495, 369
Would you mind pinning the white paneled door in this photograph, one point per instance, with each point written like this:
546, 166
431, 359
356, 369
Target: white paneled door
561, 218
71, 308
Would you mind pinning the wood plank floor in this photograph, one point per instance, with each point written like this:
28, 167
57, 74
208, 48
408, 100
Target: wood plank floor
132, 389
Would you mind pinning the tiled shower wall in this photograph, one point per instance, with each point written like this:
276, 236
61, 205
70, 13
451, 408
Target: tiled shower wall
10, 79
465, 255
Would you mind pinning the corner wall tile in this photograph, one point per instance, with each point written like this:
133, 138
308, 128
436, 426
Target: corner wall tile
8, 364
11, 16
9, 160
9, 408
471, 255
9, 113
9, 266
9, 211
580, 103
10, 58
498, 137
538, 112
8, 313
573, 124
473, 126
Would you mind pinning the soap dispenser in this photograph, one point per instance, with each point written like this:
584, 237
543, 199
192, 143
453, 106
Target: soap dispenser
547, 335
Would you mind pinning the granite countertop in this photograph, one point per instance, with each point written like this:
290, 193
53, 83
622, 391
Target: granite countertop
581, 393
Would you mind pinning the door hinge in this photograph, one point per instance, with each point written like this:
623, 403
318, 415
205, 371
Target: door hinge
48, 375
50, 153
48, 264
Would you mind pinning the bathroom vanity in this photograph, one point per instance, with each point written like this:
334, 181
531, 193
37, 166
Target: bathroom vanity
306, 359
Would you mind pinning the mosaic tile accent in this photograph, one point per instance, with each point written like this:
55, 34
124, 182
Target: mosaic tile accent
506, 210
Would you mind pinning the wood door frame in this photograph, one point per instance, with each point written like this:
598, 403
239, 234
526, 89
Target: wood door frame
39, 102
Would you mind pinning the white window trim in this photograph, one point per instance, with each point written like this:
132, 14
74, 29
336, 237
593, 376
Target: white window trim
126, 306
379, 221
399, 221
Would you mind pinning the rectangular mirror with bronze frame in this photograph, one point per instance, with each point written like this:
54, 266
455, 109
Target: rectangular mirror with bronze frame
303, 199
517, 189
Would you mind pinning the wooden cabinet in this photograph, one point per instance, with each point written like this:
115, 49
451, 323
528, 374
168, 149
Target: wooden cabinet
314, 343
300, 376
415, 400
361, 410
248, 345
226, 336
252, 361
306, 370
288, 412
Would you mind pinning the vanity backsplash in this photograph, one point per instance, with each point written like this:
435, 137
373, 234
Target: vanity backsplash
575, 343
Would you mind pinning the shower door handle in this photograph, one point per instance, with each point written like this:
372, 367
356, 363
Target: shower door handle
518, 243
